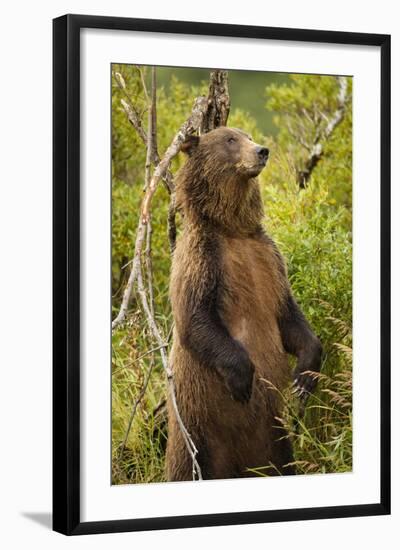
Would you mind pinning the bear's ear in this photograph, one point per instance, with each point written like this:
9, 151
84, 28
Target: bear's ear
190, 144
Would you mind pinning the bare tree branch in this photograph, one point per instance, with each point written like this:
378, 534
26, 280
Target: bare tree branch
218, 102
339, 114
142, 78
151, 147
321, 136
149, 266
134, 119
154, 152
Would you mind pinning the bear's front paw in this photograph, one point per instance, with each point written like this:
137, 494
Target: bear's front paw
304, 384
239, 380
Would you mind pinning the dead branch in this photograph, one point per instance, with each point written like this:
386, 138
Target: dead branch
154, 152
149, 266
149, 142
151, 136
218, 102
316, 151
144, 87
134, 119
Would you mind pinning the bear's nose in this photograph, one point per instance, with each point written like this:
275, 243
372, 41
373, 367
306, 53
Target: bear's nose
262, 153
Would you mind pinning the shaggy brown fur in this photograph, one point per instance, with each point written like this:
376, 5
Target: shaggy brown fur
235, 317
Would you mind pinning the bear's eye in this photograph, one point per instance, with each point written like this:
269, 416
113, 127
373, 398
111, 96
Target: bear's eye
231, 140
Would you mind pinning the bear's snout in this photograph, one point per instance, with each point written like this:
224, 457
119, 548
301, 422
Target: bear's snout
262, 153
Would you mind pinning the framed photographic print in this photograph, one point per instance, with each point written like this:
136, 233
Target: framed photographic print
221, 274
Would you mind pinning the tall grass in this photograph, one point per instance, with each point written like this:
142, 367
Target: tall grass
321, 433
141, 458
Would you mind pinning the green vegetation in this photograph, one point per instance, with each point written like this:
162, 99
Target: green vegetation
311, 226
246, 90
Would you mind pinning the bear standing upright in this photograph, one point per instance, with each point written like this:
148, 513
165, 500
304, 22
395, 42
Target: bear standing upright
235, 318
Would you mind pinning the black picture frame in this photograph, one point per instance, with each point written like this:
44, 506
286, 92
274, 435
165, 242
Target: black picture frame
66, 273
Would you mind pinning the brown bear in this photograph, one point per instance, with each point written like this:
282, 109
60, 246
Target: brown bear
235, 318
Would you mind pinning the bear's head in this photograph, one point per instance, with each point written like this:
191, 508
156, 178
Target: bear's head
218, 181
231, 150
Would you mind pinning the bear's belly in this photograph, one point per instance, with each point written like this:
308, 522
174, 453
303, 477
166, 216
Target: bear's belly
250, 299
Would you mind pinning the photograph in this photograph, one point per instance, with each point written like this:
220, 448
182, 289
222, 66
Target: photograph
231, 274
198, 215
